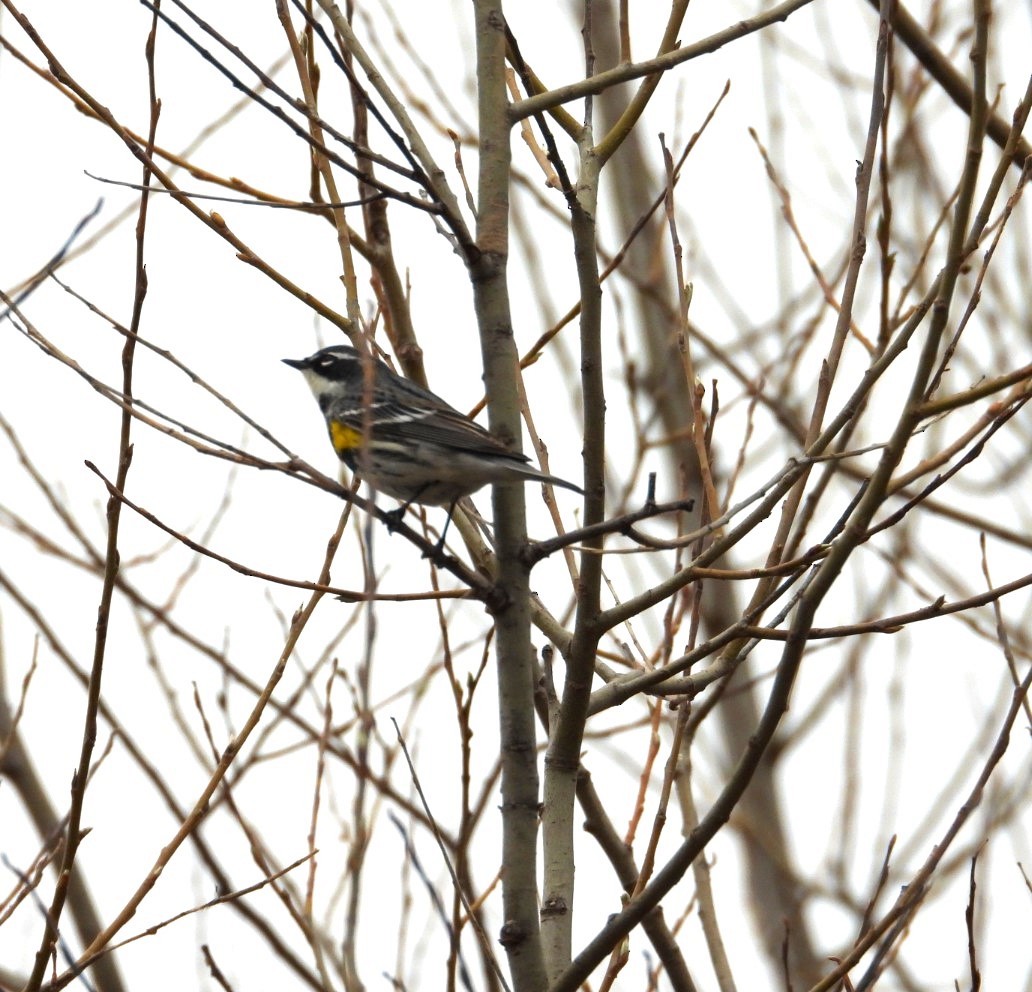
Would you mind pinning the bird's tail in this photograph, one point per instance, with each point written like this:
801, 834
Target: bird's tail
532, 473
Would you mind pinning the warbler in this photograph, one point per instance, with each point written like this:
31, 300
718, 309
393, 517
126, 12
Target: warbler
404, 440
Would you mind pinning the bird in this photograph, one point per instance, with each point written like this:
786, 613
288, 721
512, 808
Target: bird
403, 439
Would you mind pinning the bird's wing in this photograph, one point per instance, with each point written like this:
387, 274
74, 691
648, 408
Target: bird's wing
416, 417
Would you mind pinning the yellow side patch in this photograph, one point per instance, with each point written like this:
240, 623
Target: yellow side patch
344, 438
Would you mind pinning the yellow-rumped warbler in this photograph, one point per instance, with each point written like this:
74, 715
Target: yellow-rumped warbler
404, 440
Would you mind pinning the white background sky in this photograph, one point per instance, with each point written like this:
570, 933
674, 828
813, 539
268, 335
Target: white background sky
232, 326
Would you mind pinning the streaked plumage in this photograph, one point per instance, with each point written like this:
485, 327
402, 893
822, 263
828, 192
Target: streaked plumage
403, 439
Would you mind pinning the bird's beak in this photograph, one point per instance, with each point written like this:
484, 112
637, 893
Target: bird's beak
296, 363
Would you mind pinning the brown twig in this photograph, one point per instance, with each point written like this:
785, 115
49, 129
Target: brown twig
112, 557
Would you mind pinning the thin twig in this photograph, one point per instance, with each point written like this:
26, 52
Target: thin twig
473, 918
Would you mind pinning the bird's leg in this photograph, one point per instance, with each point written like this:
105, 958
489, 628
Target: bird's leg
394, 517
438, 548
